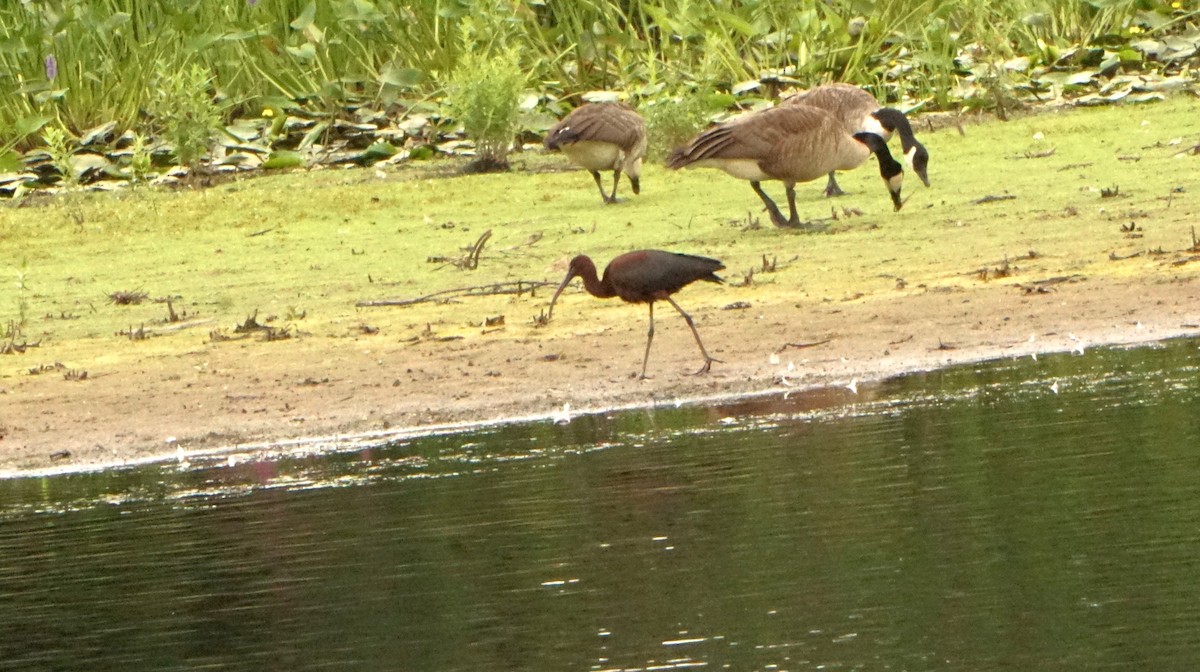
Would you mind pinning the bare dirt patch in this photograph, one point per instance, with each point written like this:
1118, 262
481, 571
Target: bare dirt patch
256, 393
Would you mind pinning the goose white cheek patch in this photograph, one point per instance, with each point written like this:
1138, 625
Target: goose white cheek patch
872, 125
895, 182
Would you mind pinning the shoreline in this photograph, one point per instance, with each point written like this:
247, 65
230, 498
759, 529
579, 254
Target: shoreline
1052, 264
824, 382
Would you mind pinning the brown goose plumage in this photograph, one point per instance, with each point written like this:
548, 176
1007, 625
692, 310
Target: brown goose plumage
791, 144
859, 111
603, 136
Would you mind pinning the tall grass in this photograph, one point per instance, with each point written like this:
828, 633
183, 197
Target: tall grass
327, 54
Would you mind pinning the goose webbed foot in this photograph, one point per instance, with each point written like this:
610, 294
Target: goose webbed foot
832, 188
815, 226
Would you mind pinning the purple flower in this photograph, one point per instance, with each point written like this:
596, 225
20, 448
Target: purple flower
252, 2
51, 67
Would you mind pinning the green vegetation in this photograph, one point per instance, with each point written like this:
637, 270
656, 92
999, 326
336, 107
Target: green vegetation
484, 95
182, 103
317, 243
59, 149
336, 76
671, 121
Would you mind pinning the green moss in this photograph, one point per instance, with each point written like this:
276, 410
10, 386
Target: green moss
314, 244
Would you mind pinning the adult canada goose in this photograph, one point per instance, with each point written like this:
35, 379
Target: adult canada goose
603, 136
792, 144
859, 110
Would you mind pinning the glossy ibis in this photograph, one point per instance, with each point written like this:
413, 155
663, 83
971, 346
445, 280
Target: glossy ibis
645, 276
859, 111
603, 136
795, 143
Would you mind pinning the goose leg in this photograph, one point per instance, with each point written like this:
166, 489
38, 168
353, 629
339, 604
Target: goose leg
616, 181
832, 188
600, 186
776, 216
794, 219
708, 360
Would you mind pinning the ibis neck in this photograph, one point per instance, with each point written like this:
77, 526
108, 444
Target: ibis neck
601, 289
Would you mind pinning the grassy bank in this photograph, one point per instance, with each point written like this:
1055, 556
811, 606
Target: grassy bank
1098, 193
121, 89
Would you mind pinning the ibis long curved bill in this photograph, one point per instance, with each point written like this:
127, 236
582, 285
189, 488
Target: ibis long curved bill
566, 281
645, 276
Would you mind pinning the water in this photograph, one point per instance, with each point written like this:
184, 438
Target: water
1017, 515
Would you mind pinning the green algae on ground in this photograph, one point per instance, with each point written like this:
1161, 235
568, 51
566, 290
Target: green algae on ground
302, 249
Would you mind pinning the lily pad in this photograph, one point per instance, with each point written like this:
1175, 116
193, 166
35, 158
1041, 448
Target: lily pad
85, 165
529, 101
1172, 83
413, 123
304, 52
1145, 97
294, 123
378, 151
602, 96
401, 77
7, 180
421, 153
10, 162
1083, 77
748, 85
246, 129
1180, 47
283, 158
313, 135
101, 133
343, 125
30, 125
1018, 64
242, 159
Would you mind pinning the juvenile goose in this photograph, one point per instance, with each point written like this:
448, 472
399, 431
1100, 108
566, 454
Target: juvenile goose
859, 110
796, 143
603, 136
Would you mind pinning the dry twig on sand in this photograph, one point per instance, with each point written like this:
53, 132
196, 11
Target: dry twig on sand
517, 287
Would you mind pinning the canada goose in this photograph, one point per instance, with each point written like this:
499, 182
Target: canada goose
859, 110
793, 144
603, 136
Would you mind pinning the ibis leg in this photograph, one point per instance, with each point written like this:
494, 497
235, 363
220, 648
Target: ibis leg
650, 339
708, 360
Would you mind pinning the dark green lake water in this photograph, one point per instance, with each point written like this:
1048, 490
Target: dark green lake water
970, 519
